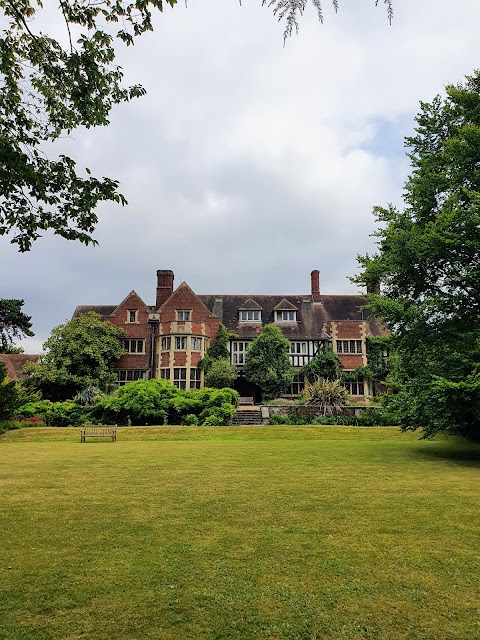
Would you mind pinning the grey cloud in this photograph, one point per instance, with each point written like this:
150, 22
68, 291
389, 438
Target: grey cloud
247, 164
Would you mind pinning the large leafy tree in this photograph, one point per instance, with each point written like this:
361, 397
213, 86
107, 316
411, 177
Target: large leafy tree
49, 89
267, 362
325, 364
221, 374
14, 324
50, 86
428, 262
79, 354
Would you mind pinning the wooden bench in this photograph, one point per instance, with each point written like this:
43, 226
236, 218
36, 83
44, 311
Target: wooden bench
98, 431
243, 400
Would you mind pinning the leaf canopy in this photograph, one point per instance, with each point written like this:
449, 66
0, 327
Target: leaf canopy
428, 261
79, 354
14, 324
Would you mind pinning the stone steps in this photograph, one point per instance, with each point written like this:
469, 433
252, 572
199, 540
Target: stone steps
247, 417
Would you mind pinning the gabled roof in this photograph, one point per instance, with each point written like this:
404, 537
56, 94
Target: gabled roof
184, 285
313, 318
285, 305
106, 310
310, 318
131, 294
249, 305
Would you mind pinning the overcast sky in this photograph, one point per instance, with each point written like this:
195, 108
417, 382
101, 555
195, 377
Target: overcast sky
248, 164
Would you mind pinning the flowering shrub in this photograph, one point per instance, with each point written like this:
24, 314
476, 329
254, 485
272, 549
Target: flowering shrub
34, 421
37, 409
15, 423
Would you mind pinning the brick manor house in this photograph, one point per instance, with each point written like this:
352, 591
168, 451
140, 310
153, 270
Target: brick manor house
167, 340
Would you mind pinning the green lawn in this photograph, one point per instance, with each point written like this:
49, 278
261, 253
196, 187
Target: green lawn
276, 533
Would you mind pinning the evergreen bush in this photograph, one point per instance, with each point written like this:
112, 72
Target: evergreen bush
32, 409
66, 414
160, 402
212, 421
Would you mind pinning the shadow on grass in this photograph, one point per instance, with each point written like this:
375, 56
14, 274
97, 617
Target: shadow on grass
466, 454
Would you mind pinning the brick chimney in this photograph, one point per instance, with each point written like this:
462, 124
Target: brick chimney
164, 286
315, 278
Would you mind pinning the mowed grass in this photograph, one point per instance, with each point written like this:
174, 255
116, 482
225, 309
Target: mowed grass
275, 533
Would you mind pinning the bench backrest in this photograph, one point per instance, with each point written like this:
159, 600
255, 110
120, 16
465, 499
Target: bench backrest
98, 429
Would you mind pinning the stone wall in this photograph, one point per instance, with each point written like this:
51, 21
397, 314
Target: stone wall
305, 410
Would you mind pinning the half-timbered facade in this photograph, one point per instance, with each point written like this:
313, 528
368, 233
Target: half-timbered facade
168, 339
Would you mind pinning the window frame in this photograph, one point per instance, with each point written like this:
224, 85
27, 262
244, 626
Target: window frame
129, 316
350, 347
237, 356
124, 378
195, 343
301, 343
355, 385
166, 344
127, 344
180, 378
256, 315
297, 385
182, 342
195, 378
184, 315
279, 316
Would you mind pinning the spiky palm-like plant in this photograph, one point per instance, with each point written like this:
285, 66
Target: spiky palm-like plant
87, 396
330, 396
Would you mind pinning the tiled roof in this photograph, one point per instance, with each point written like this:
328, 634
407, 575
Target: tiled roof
15, 362
285, 305
248, 304
102, 309
311, 317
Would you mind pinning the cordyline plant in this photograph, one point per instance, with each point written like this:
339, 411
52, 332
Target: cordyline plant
329, 396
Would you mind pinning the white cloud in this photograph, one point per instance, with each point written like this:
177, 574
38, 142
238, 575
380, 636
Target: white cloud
248, 164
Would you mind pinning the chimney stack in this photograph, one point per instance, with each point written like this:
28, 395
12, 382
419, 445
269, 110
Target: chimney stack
164, 286
315, 278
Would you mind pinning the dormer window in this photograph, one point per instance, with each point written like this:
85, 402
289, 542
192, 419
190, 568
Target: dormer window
286, 316
285, 311
132, 315
250, 316
183, 315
